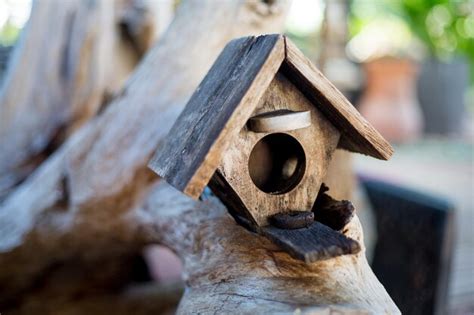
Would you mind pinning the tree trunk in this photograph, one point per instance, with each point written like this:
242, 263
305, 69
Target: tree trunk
70, 58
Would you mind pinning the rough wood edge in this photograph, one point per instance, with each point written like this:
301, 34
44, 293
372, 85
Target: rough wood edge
194, 185
315, 243
357, 134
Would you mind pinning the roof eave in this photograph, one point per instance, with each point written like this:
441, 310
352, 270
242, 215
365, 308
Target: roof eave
358, 135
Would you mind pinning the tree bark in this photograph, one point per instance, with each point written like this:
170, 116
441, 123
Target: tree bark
70, 58
70, 206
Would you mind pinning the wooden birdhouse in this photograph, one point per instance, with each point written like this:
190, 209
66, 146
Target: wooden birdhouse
261, 130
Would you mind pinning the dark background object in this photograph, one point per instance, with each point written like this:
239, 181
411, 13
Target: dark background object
441, 90
414, 247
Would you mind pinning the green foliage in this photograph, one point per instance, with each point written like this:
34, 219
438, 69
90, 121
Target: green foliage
446, 27
9, 34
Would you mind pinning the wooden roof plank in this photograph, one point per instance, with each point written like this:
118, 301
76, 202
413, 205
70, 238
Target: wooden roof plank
357, 134
217, 110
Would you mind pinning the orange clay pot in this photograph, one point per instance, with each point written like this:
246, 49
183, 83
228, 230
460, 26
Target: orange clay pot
389, 101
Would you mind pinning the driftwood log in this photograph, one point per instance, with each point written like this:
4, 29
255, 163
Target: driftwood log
92, 205
69, 208
71, 59
231, 270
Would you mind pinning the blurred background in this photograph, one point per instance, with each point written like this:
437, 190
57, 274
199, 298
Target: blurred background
408, 66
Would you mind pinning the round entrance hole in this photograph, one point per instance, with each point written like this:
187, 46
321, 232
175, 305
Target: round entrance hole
277, 163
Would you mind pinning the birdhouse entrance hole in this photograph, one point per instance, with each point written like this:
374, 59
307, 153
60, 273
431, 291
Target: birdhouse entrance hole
277, 163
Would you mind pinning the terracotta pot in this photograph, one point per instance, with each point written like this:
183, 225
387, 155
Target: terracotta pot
389, 101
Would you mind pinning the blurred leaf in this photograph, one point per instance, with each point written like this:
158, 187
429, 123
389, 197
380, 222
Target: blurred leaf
8, 34
446, 27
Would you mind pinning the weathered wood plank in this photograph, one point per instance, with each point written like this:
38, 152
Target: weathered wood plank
317, 242
357, 134
230, 92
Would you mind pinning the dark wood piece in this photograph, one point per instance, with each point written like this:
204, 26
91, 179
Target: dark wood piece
331, 212
415, 246
292, 220
317, 242
217, 111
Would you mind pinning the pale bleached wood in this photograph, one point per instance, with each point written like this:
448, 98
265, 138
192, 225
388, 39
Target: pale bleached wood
71, 58
72, 205
340, 175
229, 270
279, 121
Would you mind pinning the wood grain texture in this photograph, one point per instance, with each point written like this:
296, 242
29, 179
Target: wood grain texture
228, 95
357, 134
217, 111
78, 195
311, 244
70, 59
229, 270
318, 141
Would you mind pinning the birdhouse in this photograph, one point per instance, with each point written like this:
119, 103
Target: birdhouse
261, 130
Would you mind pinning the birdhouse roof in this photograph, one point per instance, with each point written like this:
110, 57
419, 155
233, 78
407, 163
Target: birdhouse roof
229, 94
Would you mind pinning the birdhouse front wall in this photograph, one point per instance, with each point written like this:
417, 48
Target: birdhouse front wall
264, 173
